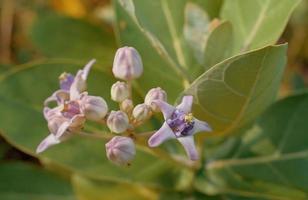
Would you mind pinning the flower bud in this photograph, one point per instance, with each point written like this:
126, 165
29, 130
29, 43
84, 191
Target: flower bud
117, 121
127, 106
155, 94
141, 112
121, 150
119, 91
127, 64
94, 108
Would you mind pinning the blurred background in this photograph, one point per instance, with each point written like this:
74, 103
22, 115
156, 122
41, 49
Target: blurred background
33, 30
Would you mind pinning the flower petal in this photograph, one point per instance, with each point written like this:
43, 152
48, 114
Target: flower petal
52, 112
189, 146
165, 108
62, 129
49, 141
201, 126
77, 121
59, 96
163, 134
79, 85
186, 104
87, 68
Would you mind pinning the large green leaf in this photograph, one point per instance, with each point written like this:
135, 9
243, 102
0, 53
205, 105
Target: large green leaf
63, 37
219, 45
210, 6
22, 91
271, 159
235, 91
23, 181
257, 23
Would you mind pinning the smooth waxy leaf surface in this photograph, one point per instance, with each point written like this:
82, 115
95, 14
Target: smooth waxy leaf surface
271, 159
257, 23
22, 92
23, 181
235, 91
219, 45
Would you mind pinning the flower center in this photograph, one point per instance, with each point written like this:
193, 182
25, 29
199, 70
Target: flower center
181, 123
70, 109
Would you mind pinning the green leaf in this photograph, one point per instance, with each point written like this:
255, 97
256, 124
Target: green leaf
21, 99
257, 23
174, 56
272, 158
236, 90
210, 6
219, 45
63, 37
90, 189
23, 181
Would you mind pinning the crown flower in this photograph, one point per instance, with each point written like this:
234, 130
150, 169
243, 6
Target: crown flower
179, 124
75, 107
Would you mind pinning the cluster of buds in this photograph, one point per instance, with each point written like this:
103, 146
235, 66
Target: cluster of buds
75, 106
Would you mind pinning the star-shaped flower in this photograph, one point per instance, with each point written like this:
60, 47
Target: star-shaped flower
68, 115
180, 124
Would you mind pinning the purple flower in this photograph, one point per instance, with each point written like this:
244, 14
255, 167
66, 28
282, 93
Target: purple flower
180, 124
69, 114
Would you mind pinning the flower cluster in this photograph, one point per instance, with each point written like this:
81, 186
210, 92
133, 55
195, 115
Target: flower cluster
74, 106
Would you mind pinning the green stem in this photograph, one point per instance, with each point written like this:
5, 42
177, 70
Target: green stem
141, 141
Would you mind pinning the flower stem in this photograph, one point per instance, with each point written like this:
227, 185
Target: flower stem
141, 142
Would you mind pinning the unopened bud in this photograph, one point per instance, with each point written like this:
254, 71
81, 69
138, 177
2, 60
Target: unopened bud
119, 91
94, 108
120, 150
142, 112
127, 106
117, 121
155, 94
127, 64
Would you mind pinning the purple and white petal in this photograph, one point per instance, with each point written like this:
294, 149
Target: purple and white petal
52, 112
186, 104
66, 81
165, 108
160, 136
49, 141
201, 126
79, 85
58, 96
189, 146
87, 68
62, 129
77, 122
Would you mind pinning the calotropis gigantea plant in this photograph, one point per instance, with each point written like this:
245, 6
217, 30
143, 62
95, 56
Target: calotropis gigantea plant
75, 107
216, 60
